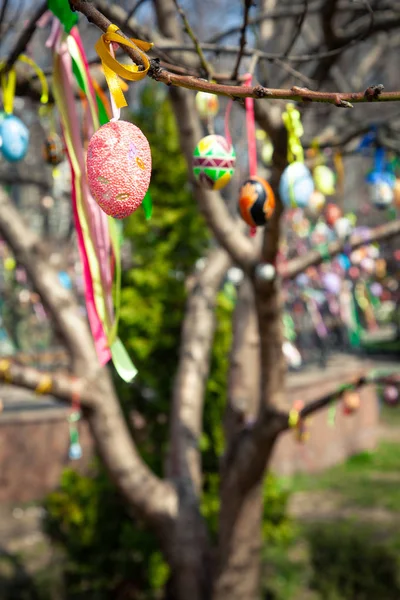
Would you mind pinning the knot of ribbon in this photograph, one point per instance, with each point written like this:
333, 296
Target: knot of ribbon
114, 69
292, 121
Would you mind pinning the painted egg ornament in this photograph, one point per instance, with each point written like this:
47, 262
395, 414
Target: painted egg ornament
391, 394
343, 228
351, 402
118, 168
296, 185
14, 138
214, 162
324, 179
207, 104
316, 203
53, 150
354, 272
332, 283
332, 213
381, 194
256, 201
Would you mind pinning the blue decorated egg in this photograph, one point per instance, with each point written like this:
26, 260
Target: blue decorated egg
14, 138
296, 185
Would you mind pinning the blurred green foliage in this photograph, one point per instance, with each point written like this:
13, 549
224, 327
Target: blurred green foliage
349, 563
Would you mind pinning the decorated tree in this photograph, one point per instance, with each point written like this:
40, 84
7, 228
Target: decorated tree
310, 43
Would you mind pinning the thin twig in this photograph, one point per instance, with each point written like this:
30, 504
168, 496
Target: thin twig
24, 38
133, 10
242, 43
315, 257
340, 99
204, 62
299, 25
316, 405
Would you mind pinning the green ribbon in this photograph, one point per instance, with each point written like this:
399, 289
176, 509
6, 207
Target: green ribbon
147, 205
323, 249
62, 10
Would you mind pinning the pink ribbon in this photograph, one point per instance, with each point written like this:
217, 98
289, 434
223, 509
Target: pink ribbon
100, 338
251, 130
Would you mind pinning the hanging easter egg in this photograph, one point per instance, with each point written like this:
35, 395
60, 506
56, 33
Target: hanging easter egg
296, 185
214, 162
332, 213
354, 272
396, 193
376, 289
267, 149
75, 451
381, 188
207, 104
381, 195
53, 150
316, 203
332, 283
14, 138
118, 167
344, 262
324, 179
391, 394
368, 265
256, 201
351, 402
343, 228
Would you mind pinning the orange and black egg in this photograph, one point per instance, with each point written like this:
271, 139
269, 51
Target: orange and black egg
53, 150
256, 201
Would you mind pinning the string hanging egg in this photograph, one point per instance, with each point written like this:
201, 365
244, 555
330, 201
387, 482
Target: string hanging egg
14, 138
118, 168
256, 201
214, 162
296, 185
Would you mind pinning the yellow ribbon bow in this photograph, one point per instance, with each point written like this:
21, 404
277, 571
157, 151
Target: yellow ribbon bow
114, 69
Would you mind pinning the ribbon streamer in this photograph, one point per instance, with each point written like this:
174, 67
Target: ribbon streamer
114, 69
9, 81
98, 242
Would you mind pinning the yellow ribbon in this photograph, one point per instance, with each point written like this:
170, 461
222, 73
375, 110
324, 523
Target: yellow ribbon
114, 69
292, 121
45, 385
9, 81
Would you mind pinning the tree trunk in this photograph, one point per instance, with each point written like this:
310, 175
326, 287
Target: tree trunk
239, 566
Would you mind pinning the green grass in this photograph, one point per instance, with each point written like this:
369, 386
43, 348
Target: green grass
366, 480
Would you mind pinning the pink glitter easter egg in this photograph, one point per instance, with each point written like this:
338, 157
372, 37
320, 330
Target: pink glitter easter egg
118, 168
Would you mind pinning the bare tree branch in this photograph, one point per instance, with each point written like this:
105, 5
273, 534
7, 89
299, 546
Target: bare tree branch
59, 301
242, 42
314, 257
343, 100
24, 38
60, 385
194, 359
203, 61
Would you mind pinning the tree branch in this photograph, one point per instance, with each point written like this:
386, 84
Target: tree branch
58, 384
59, 302
340, 99
358, 382
203, 61
194, 360
314, 257
242, 42
24, 38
